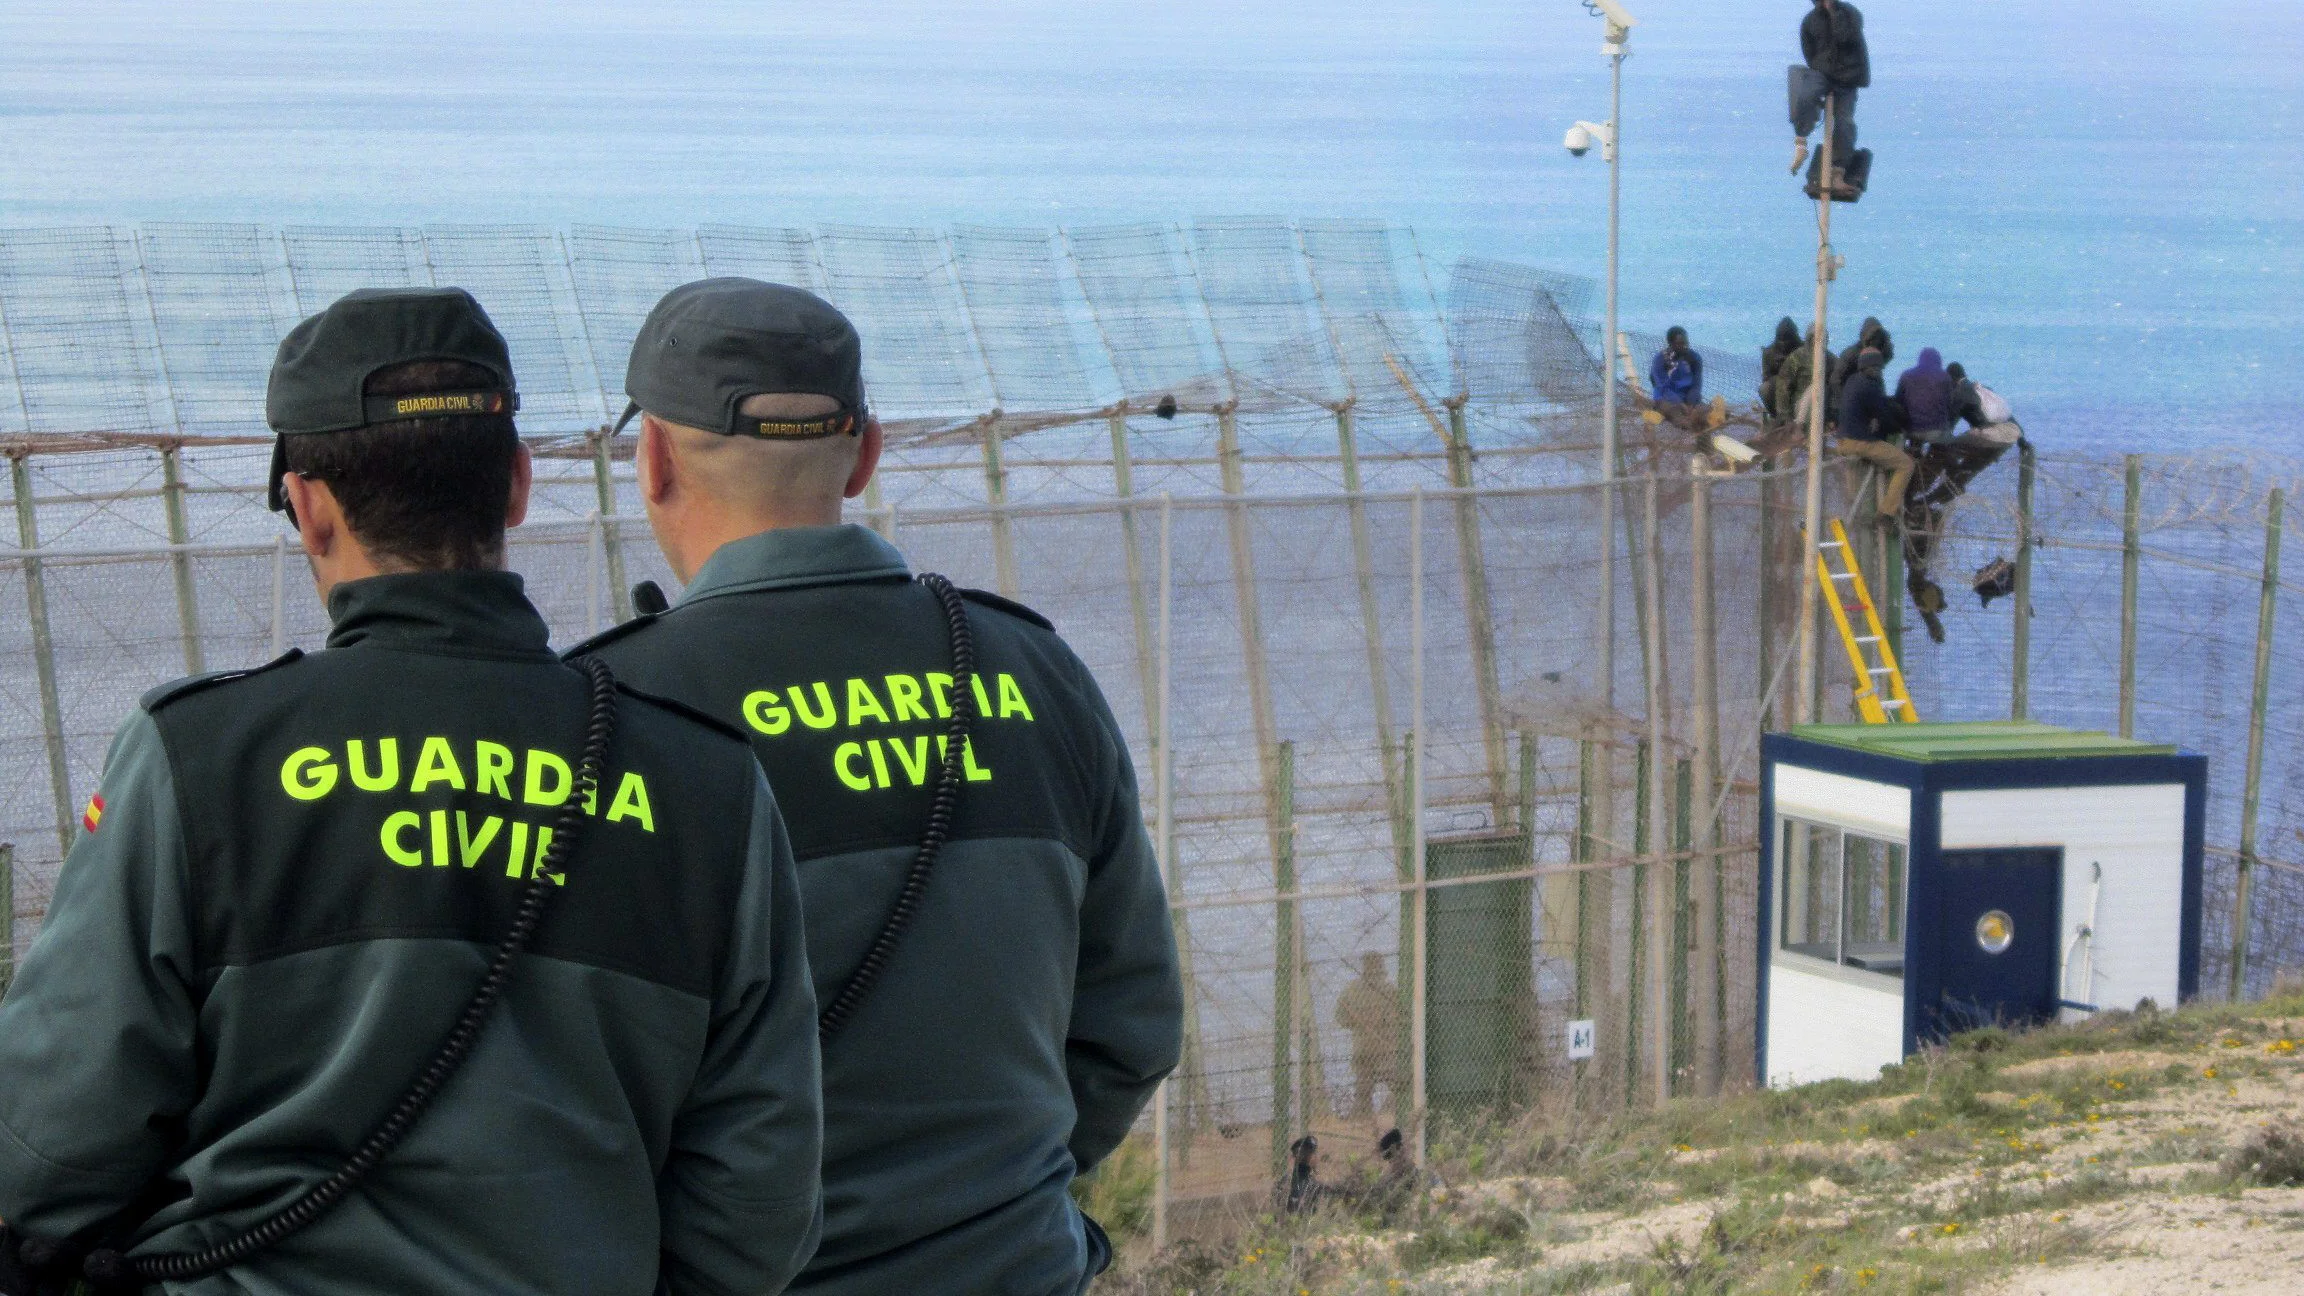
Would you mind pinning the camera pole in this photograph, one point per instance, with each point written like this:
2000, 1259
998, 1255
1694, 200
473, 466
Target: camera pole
1608, 456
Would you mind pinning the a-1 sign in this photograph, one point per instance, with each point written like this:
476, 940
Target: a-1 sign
1580, 1035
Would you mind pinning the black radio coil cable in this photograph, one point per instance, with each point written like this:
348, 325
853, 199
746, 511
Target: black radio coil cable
108, 1266
945, 804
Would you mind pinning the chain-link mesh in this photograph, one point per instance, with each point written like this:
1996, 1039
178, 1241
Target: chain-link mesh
1569, 869
81, 354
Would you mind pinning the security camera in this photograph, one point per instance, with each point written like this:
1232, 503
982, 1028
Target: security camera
1615, 15
1584, 134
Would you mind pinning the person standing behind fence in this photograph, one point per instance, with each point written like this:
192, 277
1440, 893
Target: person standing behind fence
1369, 1011
295, 880
1024, 1017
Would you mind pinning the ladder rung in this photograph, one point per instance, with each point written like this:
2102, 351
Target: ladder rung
1896, 702
1883, 670
1833, 544
1867, 638
1843, 575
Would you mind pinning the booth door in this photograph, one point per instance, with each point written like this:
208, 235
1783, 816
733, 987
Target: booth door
1997, 941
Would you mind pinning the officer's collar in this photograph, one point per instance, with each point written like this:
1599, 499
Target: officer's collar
482, 613
794, 556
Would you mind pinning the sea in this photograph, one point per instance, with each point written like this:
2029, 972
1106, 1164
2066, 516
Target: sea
2093, 204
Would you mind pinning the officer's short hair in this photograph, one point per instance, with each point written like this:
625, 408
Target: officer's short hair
759, 471
429, 492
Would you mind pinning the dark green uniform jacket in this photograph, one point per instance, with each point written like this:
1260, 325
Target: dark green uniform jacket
1035, 1004
287, 893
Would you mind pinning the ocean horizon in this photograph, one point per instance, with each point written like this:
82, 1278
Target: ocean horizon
2105, 231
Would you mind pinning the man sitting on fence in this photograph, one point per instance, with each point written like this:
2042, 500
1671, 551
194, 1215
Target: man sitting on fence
1676, 381
1870, 423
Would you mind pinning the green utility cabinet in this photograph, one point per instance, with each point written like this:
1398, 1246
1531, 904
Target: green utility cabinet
1480, 995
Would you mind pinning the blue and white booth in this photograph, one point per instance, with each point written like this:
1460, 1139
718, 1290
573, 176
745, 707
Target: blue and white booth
1917, 880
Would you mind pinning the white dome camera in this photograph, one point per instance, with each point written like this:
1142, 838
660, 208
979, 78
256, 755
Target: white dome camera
1583, 135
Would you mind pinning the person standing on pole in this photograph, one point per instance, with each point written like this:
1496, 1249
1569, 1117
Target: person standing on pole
986, 918
500, 959
1836, 64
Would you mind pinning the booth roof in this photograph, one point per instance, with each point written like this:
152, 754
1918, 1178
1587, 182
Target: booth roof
1977, 740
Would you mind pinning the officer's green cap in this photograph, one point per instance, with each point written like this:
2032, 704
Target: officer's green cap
711, 344
324, 362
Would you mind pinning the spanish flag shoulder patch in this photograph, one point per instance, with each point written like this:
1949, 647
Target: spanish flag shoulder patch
94, 814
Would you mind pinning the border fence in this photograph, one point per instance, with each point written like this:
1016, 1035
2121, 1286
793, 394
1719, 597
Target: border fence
1325, 529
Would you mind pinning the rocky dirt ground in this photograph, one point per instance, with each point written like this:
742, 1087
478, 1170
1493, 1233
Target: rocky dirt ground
2139, 1153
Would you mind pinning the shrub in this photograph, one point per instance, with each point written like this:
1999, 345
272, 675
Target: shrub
2272, 1156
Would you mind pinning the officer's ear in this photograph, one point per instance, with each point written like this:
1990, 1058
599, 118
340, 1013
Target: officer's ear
652, 460
319, 518
867, 459
523, 477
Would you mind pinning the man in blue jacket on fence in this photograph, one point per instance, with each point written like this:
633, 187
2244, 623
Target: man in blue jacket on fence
1676, 379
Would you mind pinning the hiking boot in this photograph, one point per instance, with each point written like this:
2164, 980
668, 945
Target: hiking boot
1799, 153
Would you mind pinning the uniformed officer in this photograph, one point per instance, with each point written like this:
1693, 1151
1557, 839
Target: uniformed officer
294, 879
1024, 1017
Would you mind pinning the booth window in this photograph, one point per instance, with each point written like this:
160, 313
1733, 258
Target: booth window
1842, 896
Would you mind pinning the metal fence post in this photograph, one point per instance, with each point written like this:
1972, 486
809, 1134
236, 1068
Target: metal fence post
1683, 927
1164, 785
1636, 978
2131, 556
877, 514
1140, 616
43, 647
180, 562
1253, 661
996, 494
1767, 595
279, 595
1654, 805
1284, 961
1705, 971
7, 915
2020, 673
1478, 611
1419, 1006
2260, 702
1372, 627
1580, 847
611, 545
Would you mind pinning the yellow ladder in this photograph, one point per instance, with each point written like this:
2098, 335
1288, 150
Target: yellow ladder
1877, 708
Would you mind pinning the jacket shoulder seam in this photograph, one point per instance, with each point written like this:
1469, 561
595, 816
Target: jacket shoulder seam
1010, 606
611, 635
157, 698
686, 712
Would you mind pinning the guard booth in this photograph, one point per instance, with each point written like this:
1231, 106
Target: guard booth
1918, 880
